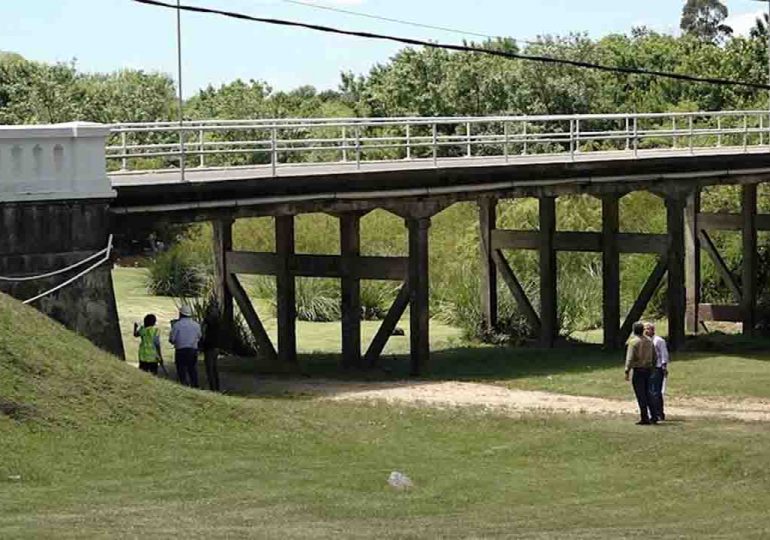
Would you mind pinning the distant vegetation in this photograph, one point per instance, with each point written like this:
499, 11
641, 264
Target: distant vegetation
437, 82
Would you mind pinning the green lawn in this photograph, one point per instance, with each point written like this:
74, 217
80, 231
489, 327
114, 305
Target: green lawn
103, 450
576, 369
134, 303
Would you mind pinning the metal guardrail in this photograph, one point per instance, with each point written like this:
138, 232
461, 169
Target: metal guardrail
275, 143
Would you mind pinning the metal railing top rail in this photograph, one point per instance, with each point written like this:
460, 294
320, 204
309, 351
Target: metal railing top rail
340, 121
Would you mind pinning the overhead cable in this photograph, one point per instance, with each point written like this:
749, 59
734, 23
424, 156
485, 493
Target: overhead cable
461, 48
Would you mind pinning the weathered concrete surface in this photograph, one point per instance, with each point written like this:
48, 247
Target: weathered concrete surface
45, 236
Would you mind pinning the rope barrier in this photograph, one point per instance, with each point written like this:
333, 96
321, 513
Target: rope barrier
55, 272
106, 252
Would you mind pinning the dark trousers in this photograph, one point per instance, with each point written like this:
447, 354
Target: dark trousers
656, 393
149, 367
186, 361
642, 386
212, 371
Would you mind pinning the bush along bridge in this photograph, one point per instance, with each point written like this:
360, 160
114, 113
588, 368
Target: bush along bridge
65, 189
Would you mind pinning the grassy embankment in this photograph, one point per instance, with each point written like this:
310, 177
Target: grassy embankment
104, 450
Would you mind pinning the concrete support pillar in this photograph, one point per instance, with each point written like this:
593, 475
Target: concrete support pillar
676, 271
286, 290
350, 244
692, 262
611, 270
487, 223
223, 243
749, 269
548, 314
419, 315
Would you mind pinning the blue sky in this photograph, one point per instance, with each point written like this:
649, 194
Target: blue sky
106, 35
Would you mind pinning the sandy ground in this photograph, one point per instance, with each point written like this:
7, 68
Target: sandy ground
498, 398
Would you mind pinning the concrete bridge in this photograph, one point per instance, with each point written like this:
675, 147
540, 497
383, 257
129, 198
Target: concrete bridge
220, 171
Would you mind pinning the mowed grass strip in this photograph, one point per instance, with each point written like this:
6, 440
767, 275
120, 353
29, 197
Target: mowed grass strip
106, 451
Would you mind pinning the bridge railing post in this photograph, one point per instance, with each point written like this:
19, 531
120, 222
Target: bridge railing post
201, 155
524, 133
691, 134
344, 144
358, 146
274, 149
577, 135
434, 128
673, 132
408, 140
636, 136
468, 139
124, 144
628, 133
506, 137
719, 131
745, 133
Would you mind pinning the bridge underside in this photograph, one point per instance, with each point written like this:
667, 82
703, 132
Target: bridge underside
417, 194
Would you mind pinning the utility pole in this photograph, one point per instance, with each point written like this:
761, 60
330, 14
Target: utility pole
179, 82
767, 31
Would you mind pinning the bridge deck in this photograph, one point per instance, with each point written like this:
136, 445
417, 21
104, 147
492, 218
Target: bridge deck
163, 177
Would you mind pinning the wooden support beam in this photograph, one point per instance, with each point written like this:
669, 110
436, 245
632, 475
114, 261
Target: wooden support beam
265, 347
580, 241
419, 293
611, 270
350, 246
321, 266
548, 309
388, 325
648, 290
223, 244
750, 258
677, 300
487, 224
721, 312
692, 262
724, 272
518, 292
731, 222
286, 290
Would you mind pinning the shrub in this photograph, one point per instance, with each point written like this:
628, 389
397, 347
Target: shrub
176, 273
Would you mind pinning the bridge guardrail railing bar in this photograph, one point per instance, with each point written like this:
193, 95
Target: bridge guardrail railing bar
277, 143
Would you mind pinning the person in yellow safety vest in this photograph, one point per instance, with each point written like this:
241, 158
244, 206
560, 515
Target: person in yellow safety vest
149, 344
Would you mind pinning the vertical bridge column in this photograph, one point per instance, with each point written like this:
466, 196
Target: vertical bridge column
676, 270
223, 244
286, 290
611, 270
749, 270
692, 262
419, 290
350, 247
488, 223
548, 295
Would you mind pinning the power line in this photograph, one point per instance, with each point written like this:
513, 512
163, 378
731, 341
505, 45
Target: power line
397, 21
461, 48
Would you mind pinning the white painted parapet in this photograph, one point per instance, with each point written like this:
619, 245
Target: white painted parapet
53, 162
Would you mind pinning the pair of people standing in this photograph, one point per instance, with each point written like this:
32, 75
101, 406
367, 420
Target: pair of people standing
647, 356
185, 336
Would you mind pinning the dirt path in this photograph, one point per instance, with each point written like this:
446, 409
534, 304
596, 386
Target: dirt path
463, 394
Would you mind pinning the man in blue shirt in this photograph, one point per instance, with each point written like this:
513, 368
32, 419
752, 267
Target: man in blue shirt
185, 336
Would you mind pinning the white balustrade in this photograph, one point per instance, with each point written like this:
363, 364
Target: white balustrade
53, 162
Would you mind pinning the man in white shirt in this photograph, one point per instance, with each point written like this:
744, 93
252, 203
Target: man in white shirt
657, 380
185, 336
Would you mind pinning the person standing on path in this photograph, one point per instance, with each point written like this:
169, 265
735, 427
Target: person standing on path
660, 371
149, 345
640, 357
185, 337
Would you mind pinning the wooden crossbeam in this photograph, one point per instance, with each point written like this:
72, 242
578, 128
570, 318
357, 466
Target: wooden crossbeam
650, 286
720, 312
730, 221
389, 323
579, 241
264, 345
321, 266
724, 272
519, 294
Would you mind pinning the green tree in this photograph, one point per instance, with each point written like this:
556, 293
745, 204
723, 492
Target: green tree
705, 20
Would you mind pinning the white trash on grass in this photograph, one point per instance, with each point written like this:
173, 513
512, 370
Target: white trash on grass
399, 480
